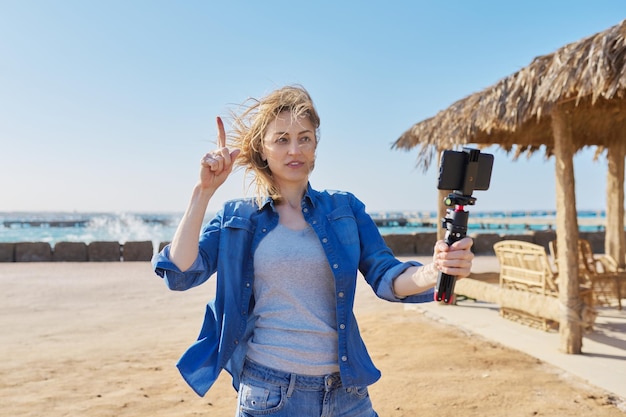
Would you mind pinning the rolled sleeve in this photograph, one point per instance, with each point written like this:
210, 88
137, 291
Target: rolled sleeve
385, 290
174, 278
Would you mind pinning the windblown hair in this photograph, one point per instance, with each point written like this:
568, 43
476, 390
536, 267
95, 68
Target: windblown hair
250, 126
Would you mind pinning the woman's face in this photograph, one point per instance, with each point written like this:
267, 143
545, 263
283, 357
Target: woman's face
289, 149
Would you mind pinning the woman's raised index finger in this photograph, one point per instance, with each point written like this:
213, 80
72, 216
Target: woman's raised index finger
221, 133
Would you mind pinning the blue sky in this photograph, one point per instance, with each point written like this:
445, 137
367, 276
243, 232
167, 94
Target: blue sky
109, 105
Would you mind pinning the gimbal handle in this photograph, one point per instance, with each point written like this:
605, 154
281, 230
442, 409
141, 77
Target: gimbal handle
455, 224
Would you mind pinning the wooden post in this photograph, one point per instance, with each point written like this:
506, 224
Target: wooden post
614, 237
441, 207
442, 210
570, 328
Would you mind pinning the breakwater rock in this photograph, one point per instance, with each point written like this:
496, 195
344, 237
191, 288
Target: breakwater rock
108, 251
76, 252
422, 243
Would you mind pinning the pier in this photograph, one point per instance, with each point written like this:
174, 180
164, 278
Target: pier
422, 220
45, 223
71, 223
491, 222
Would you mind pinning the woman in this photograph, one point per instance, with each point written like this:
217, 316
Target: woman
287, 261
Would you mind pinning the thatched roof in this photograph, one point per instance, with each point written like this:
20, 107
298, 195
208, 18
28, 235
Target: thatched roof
586, 78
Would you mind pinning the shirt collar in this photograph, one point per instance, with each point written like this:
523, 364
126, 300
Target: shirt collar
268, 201
309, 197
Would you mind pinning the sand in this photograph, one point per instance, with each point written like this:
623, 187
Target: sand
102, 339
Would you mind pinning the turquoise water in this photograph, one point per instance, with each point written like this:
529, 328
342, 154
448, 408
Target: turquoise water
87, 227
123, 227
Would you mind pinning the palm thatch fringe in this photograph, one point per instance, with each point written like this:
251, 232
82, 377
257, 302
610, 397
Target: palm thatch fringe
587, 79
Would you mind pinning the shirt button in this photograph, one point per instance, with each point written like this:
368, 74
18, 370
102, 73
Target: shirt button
237, 342
324, 240
314, 221
335, 266
344, 358
306, 210
340, 294
247, 285
264, 230
342, 326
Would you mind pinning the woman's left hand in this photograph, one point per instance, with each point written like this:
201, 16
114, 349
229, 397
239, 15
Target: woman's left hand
455, 259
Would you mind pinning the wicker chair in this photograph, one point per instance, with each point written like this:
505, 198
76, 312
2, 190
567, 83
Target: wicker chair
524, 266
600, 273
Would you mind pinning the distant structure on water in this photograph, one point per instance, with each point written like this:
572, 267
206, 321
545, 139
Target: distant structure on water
516, 220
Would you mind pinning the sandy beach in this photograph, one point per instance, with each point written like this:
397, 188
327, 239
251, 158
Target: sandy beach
102, 339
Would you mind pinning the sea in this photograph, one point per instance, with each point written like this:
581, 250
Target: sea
53, 227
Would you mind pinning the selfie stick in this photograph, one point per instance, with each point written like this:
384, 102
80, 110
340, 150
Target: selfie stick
455, 222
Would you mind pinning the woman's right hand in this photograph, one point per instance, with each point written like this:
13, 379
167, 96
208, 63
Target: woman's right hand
217, 165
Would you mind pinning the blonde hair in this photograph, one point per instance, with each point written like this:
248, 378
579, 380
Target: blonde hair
250, 126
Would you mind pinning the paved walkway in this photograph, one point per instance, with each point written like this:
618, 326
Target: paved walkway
603, 362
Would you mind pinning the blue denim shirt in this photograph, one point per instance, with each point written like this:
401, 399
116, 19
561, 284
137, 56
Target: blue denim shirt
351, 242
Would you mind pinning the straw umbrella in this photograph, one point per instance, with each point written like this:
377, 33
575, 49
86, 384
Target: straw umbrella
559, 104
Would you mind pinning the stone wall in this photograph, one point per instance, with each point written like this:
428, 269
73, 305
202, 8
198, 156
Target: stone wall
76, 252
401, 244
422, 243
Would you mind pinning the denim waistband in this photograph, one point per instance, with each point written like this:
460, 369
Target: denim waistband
321, 382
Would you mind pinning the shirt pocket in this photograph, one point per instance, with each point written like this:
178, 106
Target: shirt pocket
345, 226
239, 223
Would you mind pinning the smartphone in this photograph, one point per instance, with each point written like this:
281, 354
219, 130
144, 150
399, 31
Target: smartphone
460, 170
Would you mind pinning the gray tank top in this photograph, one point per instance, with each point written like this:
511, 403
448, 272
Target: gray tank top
294, 289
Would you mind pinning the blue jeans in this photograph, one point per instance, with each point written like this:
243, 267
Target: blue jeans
268, 392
